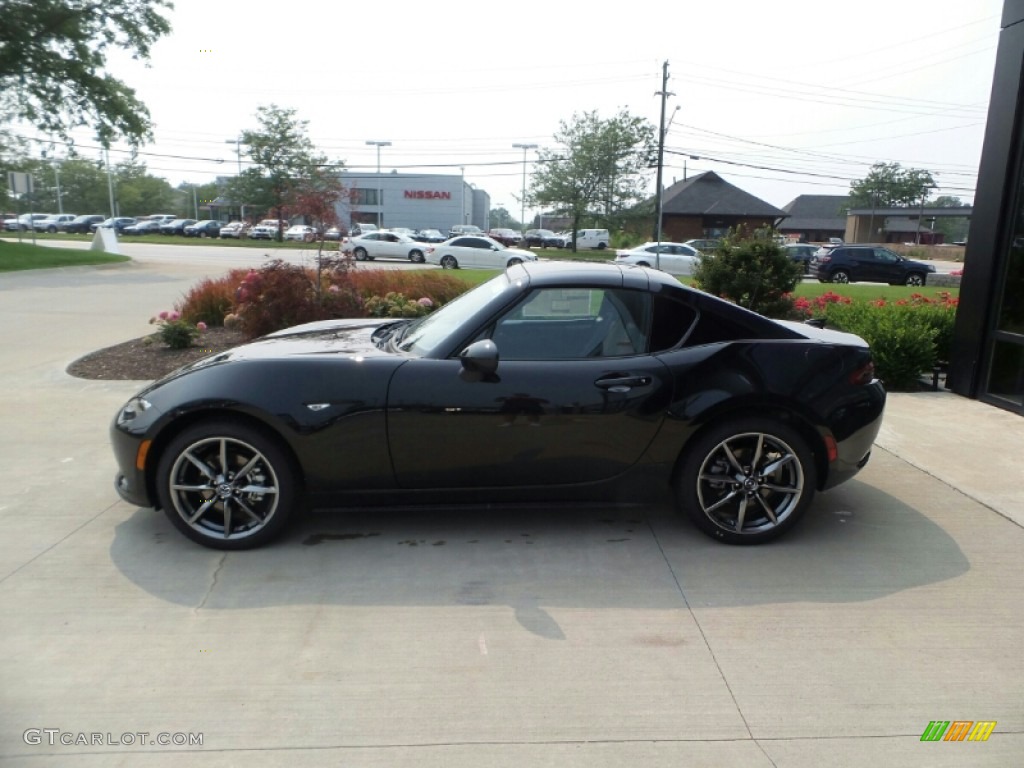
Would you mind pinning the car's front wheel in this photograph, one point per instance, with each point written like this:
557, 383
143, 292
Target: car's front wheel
449, 262
514, 260
226, 485
747, 481
915, 278
840, 276
360, 254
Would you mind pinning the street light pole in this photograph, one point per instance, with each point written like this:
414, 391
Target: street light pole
238, 153
522, 200
380, 191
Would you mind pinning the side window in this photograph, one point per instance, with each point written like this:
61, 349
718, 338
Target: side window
672, 321
574, 323
882, 254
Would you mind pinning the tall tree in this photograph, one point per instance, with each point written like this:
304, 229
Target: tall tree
52, 57
596, 167
890, 185
285, 164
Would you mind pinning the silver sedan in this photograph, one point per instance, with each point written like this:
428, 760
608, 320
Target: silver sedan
386, 245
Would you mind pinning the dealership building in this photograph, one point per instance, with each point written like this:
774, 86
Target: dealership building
414, 200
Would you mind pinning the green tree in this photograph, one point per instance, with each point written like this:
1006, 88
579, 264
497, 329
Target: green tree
285, 164
83, 186
890, 185
52, 59
499, 217
751, 270
139, 193
953, 228
595, 169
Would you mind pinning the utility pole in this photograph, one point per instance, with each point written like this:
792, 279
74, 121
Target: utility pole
522, 199
664, 93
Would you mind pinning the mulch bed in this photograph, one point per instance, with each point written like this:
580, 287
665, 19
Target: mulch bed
143, 360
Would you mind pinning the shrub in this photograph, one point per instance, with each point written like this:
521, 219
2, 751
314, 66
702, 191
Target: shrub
752, 271
276, 296
210, 299
398, 305
438, 286
174, 331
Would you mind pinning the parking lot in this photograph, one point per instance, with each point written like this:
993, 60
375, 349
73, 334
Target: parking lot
492, 636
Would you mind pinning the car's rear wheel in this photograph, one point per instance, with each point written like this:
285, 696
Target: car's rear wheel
642, 264
840, 276
226, 485
747, 481
416, 256
514, 260
915, 278
449, 262
360, 254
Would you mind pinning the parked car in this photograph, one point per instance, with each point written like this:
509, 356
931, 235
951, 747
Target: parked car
204, 228
263, 232
464, 229
801, 253
542, 238
234, 230
147, 227
53, 223
24, 222
674, 258
83, 224
116, 223
867, 263
402, 231
386, 245
163, 218
505, 236
429, 236
589, 238
704, 245
476, 252
176, 227
361, 228
334, 233
558, 381
301, 233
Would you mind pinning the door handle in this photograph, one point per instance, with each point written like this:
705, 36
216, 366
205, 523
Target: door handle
622, 383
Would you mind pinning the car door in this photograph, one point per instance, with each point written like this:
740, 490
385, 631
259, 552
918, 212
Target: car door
576, 398
888, 267
475, 253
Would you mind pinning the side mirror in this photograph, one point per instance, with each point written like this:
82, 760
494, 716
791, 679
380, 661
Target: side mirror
480, 357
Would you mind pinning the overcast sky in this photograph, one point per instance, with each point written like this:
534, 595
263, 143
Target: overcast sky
782, 99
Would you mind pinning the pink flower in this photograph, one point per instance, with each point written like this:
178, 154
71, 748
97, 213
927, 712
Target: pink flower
163, 315
174, 316
201, 325
425, 302
334, 289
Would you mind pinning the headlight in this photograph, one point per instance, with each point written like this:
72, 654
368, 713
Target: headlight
133, 408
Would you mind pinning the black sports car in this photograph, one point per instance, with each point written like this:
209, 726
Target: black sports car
552, 381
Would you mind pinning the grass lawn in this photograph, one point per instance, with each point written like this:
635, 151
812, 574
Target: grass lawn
19, 256
329, 245
807, 289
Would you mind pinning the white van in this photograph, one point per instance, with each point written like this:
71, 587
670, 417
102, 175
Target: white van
591, 238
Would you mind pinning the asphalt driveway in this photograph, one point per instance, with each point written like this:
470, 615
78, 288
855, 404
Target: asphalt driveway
501, 637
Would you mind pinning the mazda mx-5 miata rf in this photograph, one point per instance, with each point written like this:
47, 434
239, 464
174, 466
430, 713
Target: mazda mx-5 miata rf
550, 382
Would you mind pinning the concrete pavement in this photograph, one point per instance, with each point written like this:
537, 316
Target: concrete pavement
569, 638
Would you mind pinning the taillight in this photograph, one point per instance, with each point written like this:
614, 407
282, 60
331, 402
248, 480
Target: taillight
863, 375
823, 259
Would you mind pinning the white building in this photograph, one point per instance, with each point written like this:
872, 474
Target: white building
414, 200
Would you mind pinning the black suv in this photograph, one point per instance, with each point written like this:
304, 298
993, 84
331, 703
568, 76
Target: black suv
867, 263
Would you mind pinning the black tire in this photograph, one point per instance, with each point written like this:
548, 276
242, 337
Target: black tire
839, 276
602, 246
416, 257
727, 496
209, 501
51, 229
642, 264
449, 262
360, 254
915, 278
203, 235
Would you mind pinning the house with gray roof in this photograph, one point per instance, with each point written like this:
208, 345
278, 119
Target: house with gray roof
816, 218
707, 205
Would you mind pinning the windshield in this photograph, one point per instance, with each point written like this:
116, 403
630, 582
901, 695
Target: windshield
426, 334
